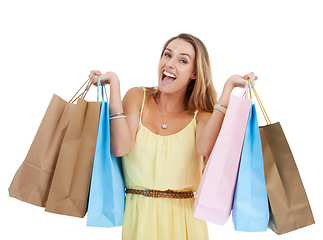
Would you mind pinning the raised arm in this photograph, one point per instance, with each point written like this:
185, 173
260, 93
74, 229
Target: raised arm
122, 130
209, 124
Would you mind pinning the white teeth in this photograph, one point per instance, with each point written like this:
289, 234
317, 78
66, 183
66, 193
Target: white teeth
169, 74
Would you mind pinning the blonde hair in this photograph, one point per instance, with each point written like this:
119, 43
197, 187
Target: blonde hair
200, 92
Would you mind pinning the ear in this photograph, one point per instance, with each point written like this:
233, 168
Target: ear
193, 76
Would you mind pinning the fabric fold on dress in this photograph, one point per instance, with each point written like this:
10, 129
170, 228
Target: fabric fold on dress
162, 163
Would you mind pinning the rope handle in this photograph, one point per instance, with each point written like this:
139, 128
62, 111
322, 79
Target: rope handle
104, 95
244, 92
259, 102
87, 85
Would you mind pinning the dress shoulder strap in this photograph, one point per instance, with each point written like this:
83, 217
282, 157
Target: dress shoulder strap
195, 113
143, 102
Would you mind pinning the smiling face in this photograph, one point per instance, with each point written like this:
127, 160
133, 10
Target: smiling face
176, 66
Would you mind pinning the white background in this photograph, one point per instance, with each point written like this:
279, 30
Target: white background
50, 46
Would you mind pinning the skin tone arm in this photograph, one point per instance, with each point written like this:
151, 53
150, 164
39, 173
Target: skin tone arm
209, 125
123, 130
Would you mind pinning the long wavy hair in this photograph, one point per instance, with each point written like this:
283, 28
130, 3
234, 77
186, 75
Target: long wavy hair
200, 92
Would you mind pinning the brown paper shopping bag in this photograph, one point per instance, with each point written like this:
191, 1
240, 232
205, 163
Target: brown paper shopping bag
68, 193
32, 180
290, 208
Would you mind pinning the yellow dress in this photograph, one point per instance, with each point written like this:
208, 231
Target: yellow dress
161, 163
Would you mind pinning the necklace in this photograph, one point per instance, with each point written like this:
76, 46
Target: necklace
164, 125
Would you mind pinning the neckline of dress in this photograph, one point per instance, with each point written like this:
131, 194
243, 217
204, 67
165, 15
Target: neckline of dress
170, 134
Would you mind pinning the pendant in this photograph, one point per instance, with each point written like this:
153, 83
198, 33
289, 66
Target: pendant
164, 126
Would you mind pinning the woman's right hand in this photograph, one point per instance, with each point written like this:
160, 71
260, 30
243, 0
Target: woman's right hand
106, 78
239, 81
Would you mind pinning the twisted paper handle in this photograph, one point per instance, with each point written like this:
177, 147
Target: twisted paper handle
259, 102
88, 84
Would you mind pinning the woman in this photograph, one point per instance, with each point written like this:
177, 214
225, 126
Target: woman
162, 135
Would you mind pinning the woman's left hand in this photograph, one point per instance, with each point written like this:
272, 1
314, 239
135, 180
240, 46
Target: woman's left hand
239, 81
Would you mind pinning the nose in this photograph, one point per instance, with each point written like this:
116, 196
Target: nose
170, 63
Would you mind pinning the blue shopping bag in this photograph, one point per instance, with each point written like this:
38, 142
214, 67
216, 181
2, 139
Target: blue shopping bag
107, 190
250, 211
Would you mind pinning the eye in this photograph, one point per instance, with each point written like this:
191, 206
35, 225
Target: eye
183, 61
167, 54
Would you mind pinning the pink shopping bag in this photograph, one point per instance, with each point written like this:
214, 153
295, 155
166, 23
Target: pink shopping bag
214, 197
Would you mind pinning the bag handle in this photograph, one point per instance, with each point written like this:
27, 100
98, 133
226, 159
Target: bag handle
259, 102
246, 89
88, 84
104, 95
244, 92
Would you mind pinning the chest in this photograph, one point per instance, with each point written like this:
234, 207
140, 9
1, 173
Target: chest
164, 124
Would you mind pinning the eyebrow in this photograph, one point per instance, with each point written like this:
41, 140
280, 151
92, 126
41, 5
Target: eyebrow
186, 54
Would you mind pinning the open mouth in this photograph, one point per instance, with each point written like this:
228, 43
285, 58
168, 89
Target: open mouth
168, 78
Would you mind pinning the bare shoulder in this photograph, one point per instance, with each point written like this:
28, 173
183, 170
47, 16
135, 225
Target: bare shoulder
203, 117
135, 92
134, 96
